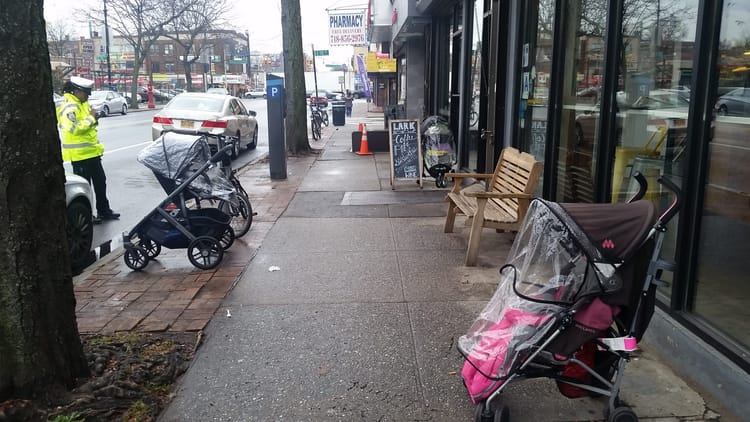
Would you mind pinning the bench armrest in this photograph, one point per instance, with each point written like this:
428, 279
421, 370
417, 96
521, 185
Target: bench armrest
468, 175
497, 195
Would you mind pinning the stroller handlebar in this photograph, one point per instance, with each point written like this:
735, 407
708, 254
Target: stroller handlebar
642, 187
675, 190
221, 154
676, 204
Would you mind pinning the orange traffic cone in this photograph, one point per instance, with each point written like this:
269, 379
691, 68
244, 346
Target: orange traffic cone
359, 128
363, 149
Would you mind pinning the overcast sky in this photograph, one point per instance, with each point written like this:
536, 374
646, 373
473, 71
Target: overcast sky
262, 18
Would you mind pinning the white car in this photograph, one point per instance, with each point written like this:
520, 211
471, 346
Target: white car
106, 102
196, 113
221, 91
79, 219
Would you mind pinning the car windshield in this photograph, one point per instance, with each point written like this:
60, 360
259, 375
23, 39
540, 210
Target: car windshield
205, 103
98, 95
660, 101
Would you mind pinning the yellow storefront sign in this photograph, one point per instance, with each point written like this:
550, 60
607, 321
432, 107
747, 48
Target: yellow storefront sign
375, 64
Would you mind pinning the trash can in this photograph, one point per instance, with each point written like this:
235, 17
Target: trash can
339, 113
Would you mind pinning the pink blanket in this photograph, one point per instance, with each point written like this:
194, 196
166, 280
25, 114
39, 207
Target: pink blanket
488, 357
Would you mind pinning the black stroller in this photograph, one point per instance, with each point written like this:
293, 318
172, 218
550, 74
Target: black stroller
575, 296
185, 168
438, 149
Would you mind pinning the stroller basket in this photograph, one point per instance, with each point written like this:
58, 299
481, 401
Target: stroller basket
200, 222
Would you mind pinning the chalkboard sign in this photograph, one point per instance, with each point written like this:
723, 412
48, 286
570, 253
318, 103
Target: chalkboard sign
406, 150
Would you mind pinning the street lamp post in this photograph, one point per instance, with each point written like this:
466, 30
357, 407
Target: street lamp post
249, 64
106, 44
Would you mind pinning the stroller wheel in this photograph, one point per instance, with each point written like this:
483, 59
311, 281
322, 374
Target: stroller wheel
152, 248
227, 238
205, 252
482, 413
622, 414
136, 258
441, 182
502, 414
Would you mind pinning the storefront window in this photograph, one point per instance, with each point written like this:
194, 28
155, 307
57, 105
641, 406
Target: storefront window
583, 75
653, 97
536, 61
722, 292
476, 83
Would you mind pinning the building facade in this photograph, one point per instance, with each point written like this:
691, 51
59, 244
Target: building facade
216, 58
598, 90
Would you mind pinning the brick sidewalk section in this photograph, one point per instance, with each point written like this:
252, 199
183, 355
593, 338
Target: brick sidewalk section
170, 294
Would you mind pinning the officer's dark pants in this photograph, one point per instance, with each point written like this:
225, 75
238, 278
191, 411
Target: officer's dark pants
91, 169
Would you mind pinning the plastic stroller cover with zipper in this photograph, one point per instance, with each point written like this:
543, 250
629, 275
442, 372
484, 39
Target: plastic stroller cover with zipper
552, 266
175, 157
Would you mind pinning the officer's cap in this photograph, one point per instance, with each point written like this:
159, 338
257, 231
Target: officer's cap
83, 84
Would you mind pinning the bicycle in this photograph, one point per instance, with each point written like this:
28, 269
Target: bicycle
316, 122
323, 114
240, 211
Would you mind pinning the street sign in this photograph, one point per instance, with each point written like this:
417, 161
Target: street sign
321, 52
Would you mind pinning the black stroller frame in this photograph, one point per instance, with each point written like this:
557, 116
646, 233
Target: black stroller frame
205, 232
614, 348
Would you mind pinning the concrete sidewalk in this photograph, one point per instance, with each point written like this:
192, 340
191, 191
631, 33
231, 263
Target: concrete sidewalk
344, 301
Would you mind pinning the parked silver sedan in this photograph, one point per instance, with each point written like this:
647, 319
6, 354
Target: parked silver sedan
215, 114
106, 102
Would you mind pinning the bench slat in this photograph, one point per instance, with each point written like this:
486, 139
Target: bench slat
516, 173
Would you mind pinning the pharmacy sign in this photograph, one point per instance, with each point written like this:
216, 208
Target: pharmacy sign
347, 29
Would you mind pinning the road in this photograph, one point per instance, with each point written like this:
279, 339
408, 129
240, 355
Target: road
132, 188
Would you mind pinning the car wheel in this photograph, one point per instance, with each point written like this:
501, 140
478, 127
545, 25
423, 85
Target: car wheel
254, 143
124, 109
723, 111
80, 232
105, 111
237, 146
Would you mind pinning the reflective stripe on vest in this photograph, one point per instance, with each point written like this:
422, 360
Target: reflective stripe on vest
83, 145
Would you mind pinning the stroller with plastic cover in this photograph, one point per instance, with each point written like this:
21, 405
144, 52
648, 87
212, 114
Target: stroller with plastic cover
186, 170
439, 150
575, 296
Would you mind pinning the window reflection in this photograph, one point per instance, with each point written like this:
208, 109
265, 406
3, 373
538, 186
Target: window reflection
583, 75
722, 292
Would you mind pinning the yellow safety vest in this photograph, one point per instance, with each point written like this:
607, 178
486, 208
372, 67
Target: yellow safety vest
77, 127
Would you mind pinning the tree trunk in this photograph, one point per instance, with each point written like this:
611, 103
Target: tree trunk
40, 346
294, 79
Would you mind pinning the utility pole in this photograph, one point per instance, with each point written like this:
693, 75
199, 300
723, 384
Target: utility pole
315, 73
106, 44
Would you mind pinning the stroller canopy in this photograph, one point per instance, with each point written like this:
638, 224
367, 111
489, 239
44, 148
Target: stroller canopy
616, 230
175, 157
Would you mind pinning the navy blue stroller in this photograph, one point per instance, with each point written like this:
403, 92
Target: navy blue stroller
186, 170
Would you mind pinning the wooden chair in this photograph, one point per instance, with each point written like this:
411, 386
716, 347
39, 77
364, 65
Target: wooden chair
502, 205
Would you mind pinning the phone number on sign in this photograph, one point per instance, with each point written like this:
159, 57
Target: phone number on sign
346, 39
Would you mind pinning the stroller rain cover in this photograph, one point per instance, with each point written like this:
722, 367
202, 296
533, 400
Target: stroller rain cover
176, 157
552, 266
437, 143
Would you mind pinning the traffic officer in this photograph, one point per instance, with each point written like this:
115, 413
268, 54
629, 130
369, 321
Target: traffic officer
78, 124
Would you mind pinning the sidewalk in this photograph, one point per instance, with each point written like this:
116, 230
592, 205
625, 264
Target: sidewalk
361, 317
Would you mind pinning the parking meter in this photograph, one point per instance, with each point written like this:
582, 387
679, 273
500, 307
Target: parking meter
275, 102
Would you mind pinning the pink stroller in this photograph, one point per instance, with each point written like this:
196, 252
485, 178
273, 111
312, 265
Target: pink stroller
575, 296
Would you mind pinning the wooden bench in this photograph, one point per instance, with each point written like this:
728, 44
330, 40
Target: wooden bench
502, 205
